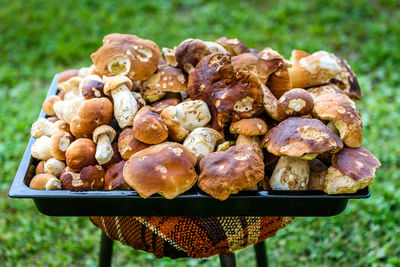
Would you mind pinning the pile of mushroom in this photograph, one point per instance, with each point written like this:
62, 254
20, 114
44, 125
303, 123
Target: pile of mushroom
218, 117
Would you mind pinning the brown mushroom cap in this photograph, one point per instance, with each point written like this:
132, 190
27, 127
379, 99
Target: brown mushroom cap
228, 172
160, 105
351, 169
113, 179
104, 129
59, 143
45, 181
115, 82
126, 54
343, 113
324, 89
89, 178
297, 55
80, 153
233, 45
62, 125
295, 103
301, 137
251, 127
40, 167
176, 131
167, 79
148, 127
48, 104
230, 95
92, 86
65, 76
166, 169
128, 144
91, 114
347, 80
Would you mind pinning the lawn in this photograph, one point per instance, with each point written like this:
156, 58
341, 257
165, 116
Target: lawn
40, 38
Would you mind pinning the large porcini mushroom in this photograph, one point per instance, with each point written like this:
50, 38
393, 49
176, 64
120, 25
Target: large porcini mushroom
343, 113
88, 178
351, 170
176, 131
148, 127
125, 54
128, 144
59, 143
228, 172
166, 169
202, 141
125, 104
80, 153
114, 179
103, 136
45, 181
233, 45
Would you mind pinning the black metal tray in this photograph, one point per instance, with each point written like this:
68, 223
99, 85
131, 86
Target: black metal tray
191, 203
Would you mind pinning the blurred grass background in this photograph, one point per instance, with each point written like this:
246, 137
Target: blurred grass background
40, 38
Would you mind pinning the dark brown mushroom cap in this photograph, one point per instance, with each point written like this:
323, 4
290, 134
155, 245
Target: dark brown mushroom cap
347, 80
148, 126
65, 76
230, 95
166, 169
228, 172
92, 88
233, 45
89, 178
162, 104
343, 113
301, 137
143, 56
91, 114
80, 153
167, 79
295, 103
113, 179
128, 144
250, 127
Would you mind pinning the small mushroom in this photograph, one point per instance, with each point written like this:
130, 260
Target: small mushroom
43, 127
114, 179
103, 136
160, 105
40, 167
70, 88
193, 114
128, 144
351, 170
233, 45
290, 174
295, 103
65, 76
116, 157
166, 79
252, 141
49, 103
148, 127
125, 104
88, 178
41, 148
250, 127
176, 131
169, 56
54, 166
91, 86
66, 109
166, 169
270, 103
202, 141
59, 143
45, 181
80, 153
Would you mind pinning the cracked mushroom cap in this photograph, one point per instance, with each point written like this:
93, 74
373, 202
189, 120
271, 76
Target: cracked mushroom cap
233, 45
301, 137
228, 172
230, 95
166, 169
250, 127
91, 86
91, 114
148, 127
80, 153
343, 113
125, 54
128, 144
347, 80
114, 179
89, 178
295, 103
351, 169
167, 79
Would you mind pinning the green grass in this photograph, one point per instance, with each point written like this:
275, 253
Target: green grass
40, 38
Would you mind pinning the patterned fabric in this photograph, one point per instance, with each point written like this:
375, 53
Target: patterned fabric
194, 237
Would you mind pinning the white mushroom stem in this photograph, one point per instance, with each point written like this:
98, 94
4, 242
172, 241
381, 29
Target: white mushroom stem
54, 166
193, 114
202, 141
66, 110
253, 141
290, 174
53, 184
104, 150
41, 148
71, 88
43, 127
125, 106
270, 103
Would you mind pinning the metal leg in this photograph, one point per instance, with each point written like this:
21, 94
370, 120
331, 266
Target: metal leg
106, 246
227, 260
261, 254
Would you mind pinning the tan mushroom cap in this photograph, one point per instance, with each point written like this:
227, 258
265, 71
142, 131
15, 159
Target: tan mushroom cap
343, 113
114, 179
128, 144
59, 143
48, 104
166, 169
228, 172
295, 103
89, 178
351, 169
160, 105
301, 137
40, 167
347, 80
251, 127
91, 114
324, 89
128, 55
80, 153
65, 76
104, 129
297, 55
115, 82
167, 79
233, 45
148, 127
45, 181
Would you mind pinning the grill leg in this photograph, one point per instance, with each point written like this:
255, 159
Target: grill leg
106, 246
261, 254
227, 260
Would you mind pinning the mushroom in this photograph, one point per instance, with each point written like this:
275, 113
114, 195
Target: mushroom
148, 127
70, 88
250, 127
317, 180
80, 153
91, 86
65, 76
59, 143
202, 141
324, 89
103, 136
114, 179
125, 54
343, 113
166, 169
54, 166
160, 105
295, 103
270, 103
125, 104
252, 141
166, 79
225, 145
66, 109
61, 125
169, 56
91, 114
176, 131
41, 148
116, 157
347, 80
40, 167
290, 174
151, 95
45, 181
49, 103
233, 45
297, 55
43, 127
351, 170
228, 172
88, 178
128, 144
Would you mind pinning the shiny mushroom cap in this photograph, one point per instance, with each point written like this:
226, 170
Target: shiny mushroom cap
250, 127
295, 103
148, 127
91, 86
80, 153
115, 82
45, 181
228, 172
233, 45
160, 105
128, 144
59, 143
89, 178
167, 79
166, 169
114, 179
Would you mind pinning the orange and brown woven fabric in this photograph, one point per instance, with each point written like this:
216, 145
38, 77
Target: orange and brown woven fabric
194, 237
